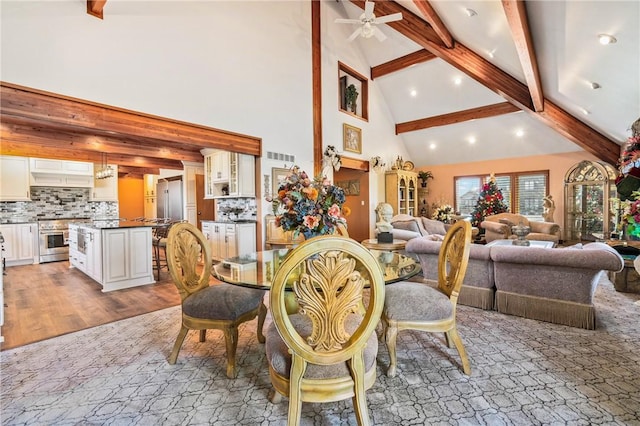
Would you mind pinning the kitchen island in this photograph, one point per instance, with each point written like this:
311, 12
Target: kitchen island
114, 253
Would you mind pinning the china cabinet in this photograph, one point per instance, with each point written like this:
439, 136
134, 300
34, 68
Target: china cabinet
589, 187
401, 191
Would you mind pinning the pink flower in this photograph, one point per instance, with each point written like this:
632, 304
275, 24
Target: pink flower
334, 211
311, 222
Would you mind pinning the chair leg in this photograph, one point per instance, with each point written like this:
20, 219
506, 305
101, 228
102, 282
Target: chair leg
262, 315
274, 396
298, 367
455, 337
176, 346
359, 397
203, 336
231, 339
390, 337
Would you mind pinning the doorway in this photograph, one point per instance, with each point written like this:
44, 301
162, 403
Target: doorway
356, 186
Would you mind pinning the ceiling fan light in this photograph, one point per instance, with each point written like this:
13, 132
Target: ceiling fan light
367, 30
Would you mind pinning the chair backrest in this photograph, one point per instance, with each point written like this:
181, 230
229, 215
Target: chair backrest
188, 258
453, 259
328, 275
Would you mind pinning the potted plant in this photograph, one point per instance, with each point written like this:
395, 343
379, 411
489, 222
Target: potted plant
351, 95
424, 176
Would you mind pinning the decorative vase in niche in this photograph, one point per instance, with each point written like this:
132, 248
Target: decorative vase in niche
521, 231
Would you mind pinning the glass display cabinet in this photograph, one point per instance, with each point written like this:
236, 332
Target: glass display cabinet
588, 188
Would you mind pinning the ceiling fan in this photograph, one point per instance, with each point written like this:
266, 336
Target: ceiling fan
368, 23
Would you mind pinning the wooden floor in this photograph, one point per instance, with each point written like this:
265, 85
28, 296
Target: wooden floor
49, 299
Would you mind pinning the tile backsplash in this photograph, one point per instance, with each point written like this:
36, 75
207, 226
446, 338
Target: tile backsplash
52, 202
236, 209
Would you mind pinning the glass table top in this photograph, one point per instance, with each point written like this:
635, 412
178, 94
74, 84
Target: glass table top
257, 270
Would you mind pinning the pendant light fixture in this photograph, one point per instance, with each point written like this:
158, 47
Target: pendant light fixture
105, 171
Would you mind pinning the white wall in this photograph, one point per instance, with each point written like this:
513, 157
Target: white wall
235, 65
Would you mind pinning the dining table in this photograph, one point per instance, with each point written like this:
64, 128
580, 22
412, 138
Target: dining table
257, 269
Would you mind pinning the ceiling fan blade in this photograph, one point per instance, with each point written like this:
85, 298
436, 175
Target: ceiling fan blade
379, 34
346, 21
388, 18
368, 9
355, 34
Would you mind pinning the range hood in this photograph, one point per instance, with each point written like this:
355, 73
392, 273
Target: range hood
59, 173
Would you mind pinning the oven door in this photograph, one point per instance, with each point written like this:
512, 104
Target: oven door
54, 245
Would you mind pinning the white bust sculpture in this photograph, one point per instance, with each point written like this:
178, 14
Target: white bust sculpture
385, 213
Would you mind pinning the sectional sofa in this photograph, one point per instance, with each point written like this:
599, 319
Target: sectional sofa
549, 284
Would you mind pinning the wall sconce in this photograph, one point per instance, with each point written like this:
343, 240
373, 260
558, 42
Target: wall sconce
377, 164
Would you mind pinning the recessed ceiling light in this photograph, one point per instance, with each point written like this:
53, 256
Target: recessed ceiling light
457, 81
490, 53
606, 39
432, 146
413, 93
595, 85
470, 12
519, 133
472, 139
584, 111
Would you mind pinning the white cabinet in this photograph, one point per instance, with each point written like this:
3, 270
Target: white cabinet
242, 175
191, 169
116, 258
74, 174
14, 179
74, 254
20, 243
229, 174
229, 239
105, 189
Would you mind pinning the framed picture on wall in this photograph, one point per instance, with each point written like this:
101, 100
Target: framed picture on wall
277, 176
352, 138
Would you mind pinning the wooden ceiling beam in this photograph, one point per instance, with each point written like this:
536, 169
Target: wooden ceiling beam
19, 133
96, 8
401, 63
492, 77
137, 171
516, 13
457, 117
432, 17
81, 115
39, 150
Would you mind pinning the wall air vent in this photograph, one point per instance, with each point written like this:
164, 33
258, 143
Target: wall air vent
278, 156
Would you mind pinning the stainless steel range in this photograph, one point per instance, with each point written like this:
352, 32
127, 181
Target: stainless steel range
54, 238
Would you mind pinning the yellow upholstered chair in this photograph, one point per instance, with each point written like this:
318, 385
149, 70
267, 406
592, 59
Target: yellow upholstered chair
419, 306
205, 306
327, 350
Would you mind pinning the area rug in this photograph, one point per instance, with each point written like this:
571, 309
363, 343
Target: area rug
524, 372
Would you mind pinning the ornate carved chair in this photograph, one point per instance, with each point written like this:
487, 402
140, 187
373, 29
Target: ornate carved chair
327, 350
418, 306
204, 307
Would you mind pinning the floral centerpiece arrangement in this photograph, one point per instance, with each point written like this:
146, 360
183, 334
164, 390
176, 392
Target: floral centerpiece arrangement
443, 213
309, 206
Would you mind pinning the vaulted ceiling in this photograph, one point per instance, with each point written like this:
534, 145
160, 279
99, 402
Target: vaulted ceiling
522, 67
473, 80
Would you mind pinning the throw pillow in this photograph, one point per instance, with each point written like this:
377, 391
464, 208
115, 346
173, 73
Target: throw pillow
433, 226
575, 246
407, 225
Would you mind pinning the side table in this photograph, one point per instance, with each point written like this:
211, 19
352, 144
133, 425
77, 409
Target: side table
372, 243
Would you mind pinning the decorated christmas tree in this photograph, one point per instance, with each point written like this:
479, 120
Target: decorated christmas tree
490, 201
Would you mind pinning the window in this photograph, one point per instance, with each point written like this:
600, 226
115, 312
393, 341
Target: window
523, 192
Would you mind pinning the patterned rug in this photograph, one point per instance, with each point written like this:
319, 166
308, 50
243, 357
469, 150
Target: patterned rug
524, 372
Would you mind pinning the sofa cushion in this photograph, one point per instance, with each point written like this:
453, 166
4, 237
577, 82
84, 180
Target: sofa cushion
407, 225
433, 226
411, 301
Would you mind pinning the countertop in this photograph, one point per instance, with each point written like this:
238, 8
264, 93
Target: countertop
114, 224
234, 222
15, 221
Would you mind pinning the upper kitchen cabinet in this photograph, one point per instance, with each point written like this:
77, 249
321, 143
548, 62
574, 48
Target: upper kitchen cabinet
228, 174
105, 189
14, 179
73, 174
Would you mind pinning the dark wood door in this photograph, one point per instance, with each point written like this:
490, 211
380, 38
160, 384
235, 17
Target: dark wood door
204, 208
357, 199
